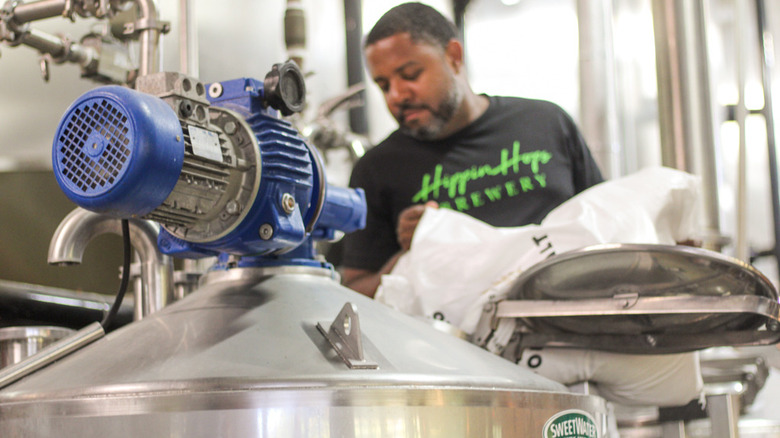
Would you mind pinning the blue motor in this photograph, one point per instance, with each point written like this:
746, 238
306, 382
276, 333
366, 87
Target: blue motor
214, 164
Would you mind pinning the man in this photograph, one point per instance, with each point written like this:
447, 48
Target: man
506, 161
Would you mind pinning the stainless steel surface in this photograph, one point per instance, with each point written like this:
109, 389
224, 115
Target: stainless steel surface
446, 327
324, 132
67, 298
643, 298
60, 48
215, 278
241, 356
15, 29
673, 429
345, 337
724, 410
295, 31
315, 412
748, 428
767, 51
150, 28
81, 226
598, 116
37, 305
147, 29
31, 11
189, 340
189, 62
114, 64
682, 305
17, 343
727, 370
684, 102
184, 282
43, 42
51, 353
741, 245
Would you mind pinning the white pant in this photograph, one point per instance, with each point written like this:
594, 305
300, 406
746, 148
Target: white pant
628, 379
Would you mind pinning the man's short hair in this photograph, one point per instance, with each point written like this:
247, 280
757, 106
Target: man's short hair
422, 22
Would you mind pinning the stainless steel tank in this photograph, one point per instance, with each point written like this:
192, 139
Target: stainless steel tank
19, 342
243, 357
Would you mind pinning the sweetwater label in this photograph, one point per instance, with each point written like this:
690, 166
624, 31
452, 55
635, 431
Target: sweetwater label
571, 424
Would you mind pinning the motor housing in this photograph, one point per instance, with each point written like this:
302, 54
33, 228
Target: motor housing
118, 152
214, 164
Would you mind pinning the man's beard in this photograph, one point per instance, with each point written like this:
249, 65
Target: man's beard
441, 116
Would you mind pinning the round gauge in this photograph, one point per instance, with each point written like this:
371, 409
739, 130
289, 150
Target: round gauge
284, 88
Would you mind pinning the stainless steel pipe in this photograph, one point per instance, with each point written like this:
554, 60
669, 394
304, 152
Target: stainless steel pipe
81, 226
26, 12
188, 39
59, 48
684, 102
149, 37
598, 95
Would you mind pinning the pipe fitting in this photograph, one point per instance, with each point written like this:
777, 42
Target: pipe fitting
149, 29
80, 226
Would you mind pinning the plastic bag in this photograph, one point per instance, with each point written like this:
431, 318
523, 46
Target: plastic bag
457, 263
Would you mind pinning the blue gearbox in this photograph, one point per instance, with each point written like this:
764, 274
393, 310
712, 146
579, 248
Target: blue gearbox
214, 164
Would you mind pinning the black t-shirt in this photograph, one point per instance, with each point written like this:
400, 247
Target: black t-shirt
510, 167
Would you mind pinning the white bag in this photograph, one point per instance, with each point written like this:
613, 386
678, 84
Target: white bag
457, 264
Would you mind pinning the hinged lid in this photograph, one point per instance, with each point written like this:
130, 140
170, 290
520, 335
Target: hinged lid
643, 299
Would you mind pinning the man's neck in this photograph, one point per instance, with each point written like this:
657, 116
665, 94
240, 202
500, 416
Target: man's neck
477, 105
472, 107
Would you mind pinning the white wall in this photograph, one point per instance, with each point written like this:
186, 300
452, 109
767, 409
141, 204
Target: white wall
29, 108
515, 50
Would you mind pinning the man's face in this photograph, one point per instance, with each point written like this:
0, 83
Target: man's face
418, 82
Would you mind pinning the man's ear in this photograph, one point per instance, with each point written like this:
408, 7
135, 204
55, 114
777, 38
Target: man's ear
454, 53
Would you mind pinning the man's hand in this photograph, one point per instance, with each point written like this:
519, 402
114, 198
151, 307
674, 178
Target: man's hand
407, 223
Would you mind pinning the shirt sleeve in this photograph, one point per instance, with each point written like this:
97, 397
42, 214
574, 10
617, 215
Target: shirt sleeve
585, 170
372, 246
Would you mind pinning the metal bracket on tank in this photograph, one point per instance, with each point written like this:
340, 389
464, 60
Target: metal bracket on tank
345, 337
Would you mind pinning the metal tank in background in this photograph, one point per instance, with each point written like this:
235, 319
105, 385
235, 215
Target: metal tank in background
270, 344
20, 342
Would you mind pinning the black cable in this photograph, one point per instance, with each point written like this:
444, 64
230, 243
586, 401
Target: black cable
109, 318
